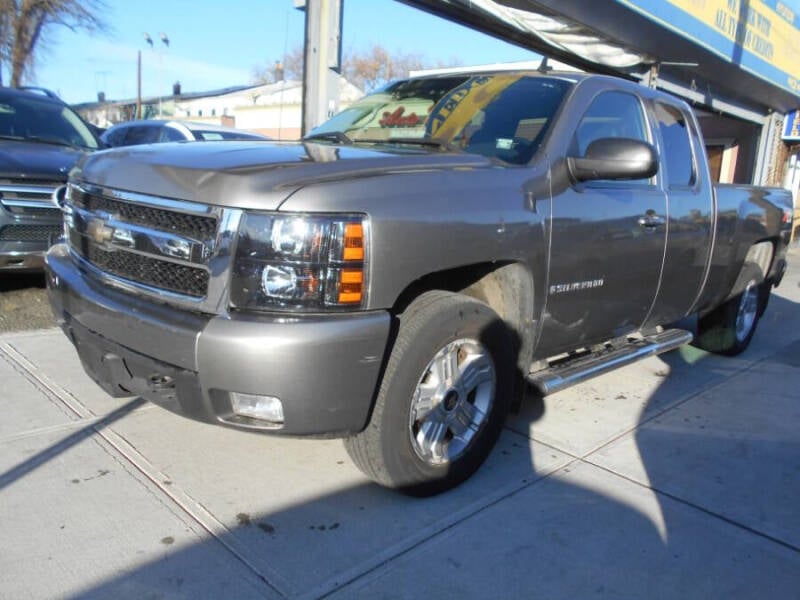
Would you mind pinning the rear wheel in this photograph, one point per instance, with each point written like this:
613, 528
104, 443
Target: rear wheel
443, 398
730, 327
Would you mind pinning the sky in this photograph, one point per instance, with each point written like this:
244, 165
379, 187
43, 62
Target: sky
216, 44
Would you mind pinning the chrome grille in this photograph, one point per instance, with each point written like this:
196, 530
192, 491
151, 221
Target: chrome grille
192, 226
191, 281
173, 250
29, 198
49, 212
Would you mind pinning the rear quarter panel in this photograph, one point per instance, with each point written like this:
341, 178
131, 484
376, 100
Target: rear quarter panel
746, 215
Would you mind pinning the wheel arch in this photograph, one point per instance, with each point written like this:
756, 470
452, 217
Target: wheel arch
759, 256
506, 287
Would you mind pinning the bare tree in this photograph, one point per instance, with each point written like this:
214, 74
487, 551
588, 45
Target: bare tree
24, 23
5, 12
367, 69
291, 67
376, 66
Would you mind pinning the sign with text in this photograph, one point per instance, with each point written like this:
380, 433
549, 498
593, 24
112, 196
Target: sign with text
791, 127
761, 36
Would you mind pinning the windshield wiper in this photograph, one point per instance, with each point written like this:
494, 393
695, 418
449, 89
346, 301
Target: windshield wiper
43, 139
432, 142
39, 139
337, 137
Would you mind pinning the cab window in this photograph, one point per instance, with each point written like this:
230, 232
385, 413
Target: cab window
611, 115
678, 157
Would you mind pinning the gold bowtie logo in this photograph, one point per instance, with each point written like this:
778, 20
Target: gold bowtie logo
99, 231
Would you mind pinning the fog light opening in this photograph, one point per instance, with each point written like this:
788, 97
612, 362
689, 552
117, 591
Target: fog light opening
254, 406
160, 381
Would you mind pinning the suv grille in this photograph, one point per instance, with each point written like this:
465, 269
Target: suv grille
30, 233
28, 198
161, 244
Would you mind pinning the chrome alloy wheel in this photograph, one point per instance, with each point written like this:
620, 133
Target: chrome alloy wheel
452, 401
747, 312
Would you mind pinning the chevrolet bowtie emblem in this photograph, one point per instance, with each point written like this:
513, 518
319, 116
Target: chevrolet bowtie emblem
99, 231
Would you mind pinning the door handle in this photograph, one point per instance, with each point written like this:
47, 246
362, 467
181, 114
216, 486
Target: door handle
651, 221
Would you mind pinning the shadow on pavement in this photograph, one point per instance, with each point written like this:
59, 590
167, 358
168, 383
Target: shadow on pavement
10, 281
48, 454
698, 503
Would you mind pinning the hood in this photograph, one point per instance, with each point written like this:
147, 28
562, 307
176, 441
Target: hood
252, 174
31, 160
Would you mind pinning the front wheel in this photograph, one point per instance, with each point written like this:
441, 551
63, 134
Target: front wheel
443, 399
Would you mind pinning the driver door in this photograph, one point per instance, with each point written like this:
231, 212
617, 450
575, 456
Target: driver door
608, 240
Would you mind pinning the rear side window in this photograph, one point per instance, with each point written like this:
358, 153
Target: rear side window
611, 115
678, 156
208, 136
114, 137
168, 134
144, 134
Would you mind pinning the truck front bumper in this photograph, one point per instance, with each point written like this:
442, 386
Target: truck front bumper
324, 369
25, 259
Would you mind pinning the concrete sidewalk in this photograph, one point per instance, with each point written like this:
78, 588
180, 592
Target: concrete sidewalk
678, 477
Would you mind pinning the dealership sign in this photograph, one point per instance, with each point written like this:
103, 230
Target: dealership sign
761, 36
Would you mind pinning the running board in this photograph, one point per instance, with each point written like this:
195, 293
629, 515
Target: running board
577, 369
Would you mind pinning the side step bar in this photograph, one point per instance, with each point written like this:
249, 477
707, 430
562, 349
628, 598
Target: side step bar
573, 370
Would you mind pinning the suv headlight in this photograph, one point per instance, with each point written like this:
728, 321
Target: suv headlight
297, 261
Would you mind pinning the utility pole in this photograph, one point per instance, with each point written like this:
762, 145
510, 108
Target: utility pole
164, 40
322, 61
139, 85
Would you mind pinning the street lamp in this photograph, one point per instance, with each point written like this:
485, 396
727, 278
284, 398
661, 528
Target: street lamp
149, 40
165, 41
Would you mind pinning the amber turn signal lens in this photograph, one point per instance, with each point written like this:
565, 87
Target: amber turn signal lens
351, 286
353, 242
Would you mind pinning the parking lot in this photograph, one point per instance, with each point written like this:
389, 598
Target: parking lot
23, 302
677, 477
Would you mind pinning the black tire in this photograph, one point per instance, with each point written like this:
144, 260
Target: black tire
766, 292
729, 328
423, 448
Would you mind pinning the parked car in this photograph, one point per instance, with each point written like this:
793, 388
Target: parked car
41, 138
397, 276
153, 131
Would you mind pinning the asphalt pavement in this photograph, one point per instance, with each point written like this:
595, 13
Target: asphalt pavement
23, 302
676, 477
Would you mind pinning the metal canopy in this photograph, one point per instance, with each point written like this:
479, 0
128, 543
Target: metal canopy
614, 37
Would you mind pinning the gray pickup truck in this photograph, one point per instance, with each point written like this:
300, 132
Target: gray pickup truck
401, 276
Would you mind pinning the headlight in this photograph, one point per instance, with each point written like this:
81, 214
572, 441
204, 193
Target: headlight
307, 262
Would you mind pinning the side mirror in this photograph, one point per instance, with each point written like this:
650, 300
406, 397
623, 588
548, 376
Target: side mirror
614, 158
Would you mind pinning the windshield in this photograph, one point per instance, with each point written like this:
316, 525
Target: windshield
503, 116
39, 120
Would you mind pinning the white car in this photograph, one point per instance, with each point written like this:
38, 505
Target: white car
152, 131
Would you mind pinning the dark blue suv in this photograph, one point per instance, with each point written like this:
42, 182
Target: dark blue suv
41, 138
